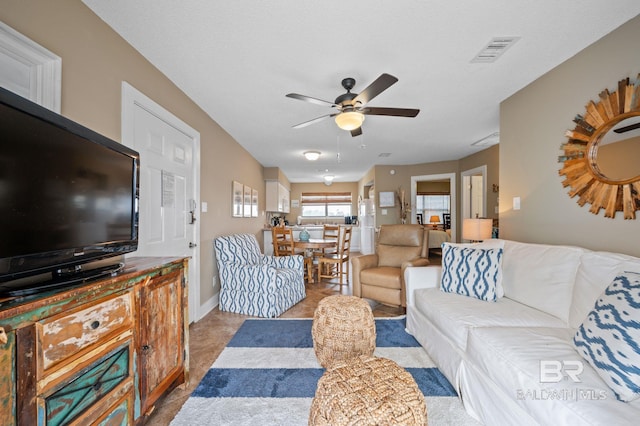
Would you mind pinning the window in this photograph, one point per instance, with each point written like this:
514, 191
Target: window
433, 205
326, 204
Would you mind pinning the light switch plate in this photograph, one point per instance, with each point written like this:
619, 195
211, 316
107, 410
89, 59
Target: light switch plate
516, 203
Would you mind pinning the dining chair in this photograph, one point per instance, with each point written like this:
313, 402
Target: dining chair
446, 219
329, 233
284, 245
331, 265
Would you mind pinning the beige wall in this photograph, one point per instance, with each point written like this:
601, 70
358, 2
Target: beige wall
95, 61
385, 181
532, 127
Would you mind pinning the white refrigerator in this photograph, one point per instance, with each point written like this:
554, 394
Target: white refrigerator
367, 219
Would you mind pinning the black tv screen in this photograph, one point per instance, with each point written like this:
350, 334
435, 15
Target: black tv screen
68, 196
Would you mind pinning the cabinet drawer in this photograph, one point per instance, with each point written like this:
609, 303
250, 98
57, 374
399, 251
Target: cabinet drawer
89, 386
121, 414
68, 334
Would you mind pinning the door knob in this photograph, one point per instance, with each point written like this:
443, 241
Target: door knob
192, 245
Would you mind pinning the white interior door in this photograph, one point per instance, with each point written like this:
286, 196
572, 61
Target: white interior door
168, 187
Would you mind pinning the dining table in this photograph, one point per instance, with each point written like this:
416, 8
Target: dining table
313, 244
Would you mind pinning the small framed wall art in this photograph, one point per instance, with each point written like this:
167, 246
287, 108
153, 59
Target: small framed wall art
254, 203
247, 201
236, 199
387, 199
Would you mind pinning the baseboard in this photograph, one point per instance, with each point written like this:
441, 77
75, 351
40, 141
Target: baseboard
208, 306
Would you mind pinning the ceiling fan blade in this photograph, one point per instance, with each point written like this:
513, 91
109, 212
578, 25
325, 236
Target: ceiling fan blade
310, 99
627, 128
396, 112
356, 132
315, 120
381, 84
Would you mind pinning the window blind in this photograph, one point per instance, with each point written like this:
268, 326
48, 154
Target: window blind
315, 198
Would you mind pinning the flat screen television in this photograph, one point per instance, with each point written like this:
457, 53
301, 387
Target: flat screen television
68, 199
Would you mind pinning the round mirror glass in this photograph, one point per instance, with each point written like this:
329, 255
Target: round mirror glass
618, 152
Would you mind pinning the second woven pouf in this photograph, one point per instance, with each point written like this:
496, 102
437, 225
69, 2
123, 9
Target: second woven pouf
343, 327
367, 391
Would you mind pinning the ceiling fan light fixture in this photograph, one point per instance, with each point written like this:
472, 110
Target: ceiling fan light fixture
311, 155
349, 120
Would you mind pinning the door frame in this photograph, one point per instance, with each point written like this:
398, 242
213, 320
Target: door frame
466, 193
131, 97
452, 185
32, 71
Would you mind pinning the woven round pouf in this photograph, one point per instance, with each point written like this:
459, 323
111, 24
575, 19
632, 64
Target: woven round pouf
343, 328
367, 391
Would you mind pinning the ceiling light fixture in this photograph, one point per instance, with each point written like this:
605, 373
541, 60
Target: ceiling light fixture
311, 155
349, 120
329, 178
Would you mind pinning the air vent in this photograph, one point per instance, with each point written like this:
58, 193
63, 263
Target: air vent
384, 154
494, 49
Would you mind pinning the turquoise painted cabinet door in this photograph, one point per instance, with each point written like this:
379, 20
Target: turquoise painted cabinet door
89, 386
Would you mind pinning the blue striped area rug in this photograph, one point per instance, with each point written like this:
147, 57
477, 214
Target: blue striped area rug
267, 375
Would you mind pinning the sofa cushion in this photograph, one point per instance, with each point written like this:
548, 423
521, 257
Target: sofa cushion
512, 357
471, 271
384, 276
394, 256
610, 336
455, 314
541, 276
596, 271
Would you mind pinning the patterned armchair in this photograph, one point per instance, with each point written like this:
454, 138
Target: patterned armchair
254, 284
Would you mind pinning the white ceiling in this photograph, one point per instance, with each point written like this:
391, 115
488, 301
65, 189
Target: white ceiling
238, 60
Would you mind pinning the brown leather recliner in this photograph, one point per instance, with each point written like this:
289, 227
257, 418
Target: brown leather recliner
380, 276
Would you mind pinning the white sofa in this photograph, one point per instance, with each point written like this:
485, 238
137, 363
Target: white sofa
491, 352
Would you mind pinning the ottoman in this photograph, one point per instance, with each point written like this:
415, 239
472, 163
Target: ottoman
367, 390
343, 327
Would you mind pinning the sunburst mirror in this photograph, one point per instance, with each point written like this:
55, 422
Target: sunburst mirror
602, 154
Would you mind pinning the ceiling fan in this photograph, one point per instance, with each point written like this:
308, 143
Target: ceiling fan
352, 107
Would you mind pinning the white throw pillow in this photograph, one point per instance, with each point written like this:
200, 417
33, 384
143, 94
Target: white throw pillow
610, 336
471, 271
541, 275
596, 271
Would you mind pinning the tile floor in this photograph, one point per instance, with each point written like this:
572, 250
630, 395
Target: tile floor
210, 335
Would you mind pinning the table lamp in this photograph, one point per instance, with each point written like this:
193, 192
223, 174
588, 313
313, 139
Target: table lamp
434, 220
477, 229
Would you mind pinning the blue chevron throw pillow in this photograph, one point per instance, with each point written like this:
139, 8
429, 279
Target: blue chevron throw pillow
473, 272
609, 338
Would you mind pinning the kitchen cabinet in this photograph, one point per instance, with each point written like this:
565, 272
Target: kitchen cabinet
277, 197
98, 353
